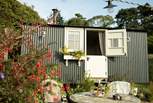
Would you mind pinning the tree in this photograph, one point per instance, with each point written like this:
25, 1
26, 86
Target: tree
78, 20
140, 17
128, 18
136, 18
101, 21
12, 12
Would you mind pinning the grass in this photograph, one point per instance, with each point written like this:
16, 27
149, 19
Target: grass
145, 92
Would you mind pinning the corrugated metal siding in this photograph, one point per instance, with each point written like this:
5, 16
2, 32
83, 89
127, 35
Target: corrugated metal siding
55, 38
133, 67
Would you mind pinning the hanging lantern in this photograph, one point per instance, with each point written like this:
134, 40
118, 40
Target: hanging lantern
110, 6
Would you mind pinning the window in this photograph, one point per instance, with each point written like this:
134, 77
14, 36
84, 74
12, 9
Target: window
74, 39
116, 42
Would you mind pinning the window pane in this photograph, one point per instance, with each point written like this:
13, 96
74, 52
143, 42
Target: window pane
120, 42
74, 40
114, 42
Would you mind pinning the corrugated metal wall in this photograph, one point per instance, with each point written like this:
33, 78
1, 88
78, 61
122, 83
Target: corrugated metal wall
133, 67
55, 38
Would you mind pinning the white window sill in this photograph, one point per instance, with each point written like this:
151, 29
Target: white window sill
69, 57
115, 47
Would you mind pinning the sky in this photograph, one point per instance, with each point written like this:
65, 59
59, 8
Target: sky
88, 8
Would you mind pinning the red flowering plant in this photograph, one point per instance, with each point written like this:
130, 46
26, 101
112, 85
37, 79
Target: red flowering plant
23, 77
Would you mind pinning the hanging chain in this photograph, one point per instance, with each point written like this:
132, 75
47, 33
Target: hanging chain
125, 1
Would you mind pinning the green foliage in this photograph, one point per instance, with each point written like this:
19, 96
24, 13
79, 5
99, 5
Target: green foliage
150, 44
75, 54
13, 13
151, 67
138, 18
85, 86
145, 91
78, 20
101, 21
24, 74
60, 20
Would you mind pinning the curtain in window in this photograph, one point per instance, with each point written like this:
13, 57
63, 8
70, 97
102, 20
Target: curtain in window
102, 42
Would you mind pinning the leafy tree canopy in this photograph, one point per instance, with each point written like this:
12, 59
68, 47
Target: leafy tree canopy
12, 12
140, 17
78, 20
101, 21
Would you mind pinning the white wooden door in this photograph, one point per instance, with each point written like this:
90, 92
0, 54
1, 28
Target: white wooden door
96, 67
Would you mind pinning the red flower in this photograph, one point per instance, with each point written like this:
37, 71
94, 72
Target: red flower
52, 73
7, 49
49, 54
35, 92
37, 79
66, 87
1, 56
31, 77
41, 71
38, 65
1, 66
34, 78
59, 73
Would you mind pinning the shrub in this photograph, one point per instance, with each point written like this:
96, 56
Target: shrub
146, 92
151, 67
86, 85
21, 77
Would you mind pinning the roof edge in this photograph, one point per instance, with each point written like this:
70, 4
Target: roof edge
130, 30
138, 30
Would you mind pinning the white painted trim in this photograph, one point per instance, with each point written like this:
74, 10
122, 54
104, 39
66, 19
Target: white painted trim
107, 48
95, 29
82, 44
81, 30
92, 29
85, 47
86, 56
69, 57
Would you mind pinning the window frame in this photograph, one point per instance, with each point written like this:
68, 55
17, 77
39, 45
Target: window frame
121, 50
81, 37
81, 44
